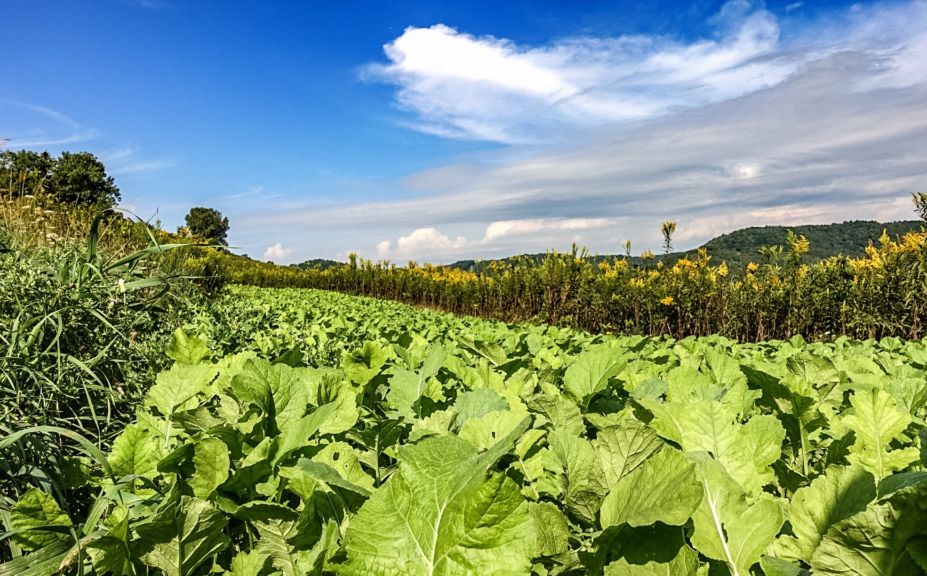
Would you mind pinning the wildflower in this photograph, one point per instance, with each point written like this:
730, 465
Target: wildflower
752, 267
667, 301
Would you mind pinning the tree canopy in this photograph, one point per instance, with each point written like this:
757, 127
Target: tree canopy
208, 224
72, 178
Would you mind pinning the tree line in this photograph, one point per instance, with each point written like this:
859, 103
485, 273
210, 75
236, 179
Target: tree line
79, 179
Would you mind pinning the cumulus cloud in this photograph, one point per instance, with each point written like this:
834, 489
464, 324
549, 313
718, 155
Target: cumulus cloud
766, 123
488, 88
430, 242
277, 252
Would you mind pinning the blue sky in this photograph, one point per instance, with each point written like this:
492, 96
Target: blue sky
439, 131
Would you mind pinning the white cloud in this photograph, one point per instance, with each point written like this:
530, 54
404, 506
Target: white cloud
763, 124
428, 243
497, 230
277, 252
488, 88
32, 126
126, 161
383, 248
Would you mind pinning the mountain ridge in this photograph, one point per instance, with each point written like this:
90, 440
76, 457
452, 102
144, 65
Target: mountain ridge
738, 247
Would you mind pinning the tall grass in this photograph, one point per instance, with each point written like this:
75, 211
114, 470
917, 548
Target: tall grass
86, 305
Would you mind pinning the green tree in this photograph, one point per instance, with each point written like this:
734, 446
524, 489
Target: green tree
208, 224
25, 172
80, 178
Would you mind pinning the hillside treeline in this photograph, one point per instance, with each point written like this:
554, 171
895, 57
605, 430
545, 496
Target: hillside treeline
740, 247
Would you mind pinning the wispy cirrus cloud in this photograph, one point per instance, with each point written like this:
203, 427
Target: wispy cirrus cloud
28, 125
125, 161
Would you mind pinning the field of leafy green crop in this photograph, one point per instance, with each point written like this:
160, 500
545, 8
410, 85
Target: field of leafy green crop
304, 432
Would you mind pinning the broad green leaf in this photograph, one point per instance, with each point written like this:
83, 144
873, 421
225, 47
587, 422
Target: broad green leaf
647, 548
441, 515
280, 391
877, 421
363, 364
406, 387
320, 472
777, 567
439, 422
183, 536
259, 511
344, 416
328, 418
747, 451
876, 542
662, 489
685, 563
840, 493
275, 542
38, 521
553, 530
476, 404
198, 420
344, 459
590, 372
685, 384
582, 480
727, 527
111, 553
187, 349
559, 413
136, 452
178, 389
623, 448
254, 468
485, 431
723, 367
211, 466
248, 563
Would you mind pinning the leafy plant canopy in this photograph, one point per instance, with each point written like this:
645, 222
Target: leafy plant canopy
302, 432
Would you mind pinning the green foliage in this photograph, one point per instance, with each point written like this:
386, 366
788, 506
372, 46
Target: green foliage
784, 291
208, 224
73, 178
80, 178
668, 228
82, 328
920, 204
387, 439
745, 245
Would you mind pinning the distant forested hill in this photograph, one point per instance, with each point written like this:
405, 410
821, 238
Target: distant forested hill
846, 239
742, 246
